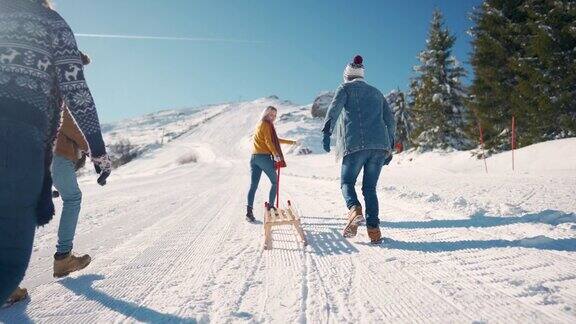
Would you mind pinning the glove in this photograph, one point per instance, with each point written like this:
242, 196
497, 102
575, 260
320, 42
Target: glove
277, 158
388, 159
326, 142
103, 167
102, 178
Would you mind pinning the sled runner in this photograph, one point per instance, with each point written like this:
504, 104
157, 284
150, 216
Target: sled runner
282, 216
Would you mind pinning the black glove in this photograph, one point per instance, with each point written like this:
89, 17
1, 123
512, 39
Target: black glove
326, 142
81, 162
102, 178
103, 167
388, 159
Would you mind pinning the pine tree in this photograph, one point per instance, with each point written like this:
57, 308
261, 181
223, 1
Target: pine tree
496, 41
525, 66
403, 117
548, 71
437, 93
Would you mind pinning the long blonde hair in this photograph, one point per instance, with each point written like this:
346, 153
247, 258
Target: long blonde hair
266, 111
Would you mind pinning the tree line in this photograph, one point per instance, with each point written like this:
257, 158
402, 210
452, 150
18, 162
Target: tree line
524, 62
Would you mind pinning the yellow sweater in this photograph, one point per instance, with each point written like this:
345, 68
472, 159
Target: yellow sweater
263, 140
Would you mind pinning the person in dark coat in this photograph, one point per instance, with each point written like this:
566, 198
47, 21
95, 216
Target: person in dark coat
39, 65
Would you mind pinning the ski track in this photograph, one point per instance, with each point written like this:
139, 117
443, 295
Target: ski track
493, 274
172, 246
536, 264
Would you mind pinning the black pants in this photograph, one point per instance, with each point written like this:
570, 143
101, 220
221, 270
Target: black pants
21, 176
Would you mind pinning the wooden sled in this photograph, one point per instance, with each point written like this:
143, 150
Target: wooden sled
282, 216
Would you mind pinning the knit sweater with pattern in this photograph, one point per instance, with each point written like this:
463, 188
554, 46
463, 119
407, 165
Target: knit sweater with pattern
40, 66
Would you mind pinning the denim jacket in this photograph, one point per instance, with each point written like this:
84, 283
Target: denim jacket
368, 122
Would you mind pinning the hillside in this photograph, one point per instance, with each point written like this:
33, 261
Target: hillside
170, 244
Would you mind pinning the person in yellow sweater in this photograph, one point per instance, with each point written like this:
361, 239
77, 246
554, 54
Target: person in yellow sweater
266, 157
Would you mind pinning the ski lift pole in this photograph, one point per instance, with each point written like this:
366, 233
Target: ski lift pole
513, 139
482, 145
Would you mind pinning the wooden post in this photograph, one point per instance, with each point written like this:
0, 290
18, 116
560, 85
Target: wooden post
482, 145
513, 139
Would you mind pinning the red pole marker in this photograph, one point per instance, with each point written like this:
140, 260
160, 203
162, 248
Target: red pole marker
482, 145
513, 139
278, 190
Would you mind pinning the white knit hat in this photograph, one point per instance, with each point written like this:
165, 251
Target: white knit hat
355, 69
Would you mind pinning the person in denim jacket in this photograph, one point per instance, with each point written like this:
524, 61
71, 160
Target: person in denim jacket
365, 129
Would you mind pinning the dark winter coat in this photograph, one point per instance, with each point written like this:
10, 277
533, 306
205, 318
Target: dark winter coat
39, 64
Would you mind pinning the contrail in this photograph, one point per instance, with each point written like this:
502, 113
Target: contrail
188, 39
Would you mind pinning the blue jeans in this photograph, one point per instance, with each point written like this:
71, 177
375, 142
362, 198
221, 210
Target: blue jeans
259, 163
64, 177
371, 161
21, 177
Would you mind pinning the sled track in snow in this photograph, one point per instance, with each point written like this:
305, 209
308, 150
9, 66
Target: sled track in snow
479, 293
405, 303
479, 264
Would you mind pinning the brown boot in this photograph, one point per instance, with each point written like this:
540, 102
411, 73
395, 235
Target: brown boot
19, 294
355, 218
375, 235
63, 266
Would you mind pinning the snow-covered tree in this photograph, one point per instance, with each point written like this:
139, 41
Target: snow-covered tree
438, 94
402, 115
524, 64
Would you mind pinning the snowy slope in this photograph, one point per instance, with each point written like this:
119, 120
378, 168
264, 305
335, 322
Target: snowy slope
170, 244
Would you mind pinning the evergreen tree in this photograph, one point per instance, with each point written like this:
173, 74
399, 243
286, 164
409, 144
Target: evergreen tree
437, 93
496, 41
525, 66
402, 116
547, 74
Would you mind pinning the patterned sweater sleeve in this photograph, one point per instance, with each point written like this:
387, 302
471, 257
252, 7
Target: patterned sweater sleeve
73, 87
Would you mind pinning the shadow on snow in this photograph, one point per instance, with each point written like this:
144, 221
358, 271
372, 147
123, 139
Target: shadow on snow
83, 286
551, 217
539, 242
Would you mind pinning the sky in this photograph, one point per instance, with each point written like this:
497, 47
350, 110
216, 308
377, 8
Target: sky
151, 55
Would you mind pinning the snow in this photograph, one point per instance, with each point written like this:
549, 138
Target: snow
170, 244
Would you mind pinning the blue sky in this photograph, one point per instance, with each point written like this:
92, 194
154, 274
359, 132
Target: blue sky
248, 49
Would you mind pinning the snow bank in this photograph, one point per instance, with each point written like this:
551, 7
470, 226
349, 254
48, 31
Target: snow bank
551, 156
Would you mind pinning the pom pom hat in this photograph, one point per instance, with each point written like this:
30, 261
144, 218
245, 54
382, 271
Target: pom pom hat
355, 69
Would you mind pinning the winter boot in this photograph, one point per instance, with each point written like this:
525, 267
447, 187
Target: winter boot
250, 214
17, 295
64, 264
375, 235
355, 219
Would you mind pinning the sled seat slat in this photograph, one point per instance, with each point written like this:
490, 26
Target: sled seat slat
279, 217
